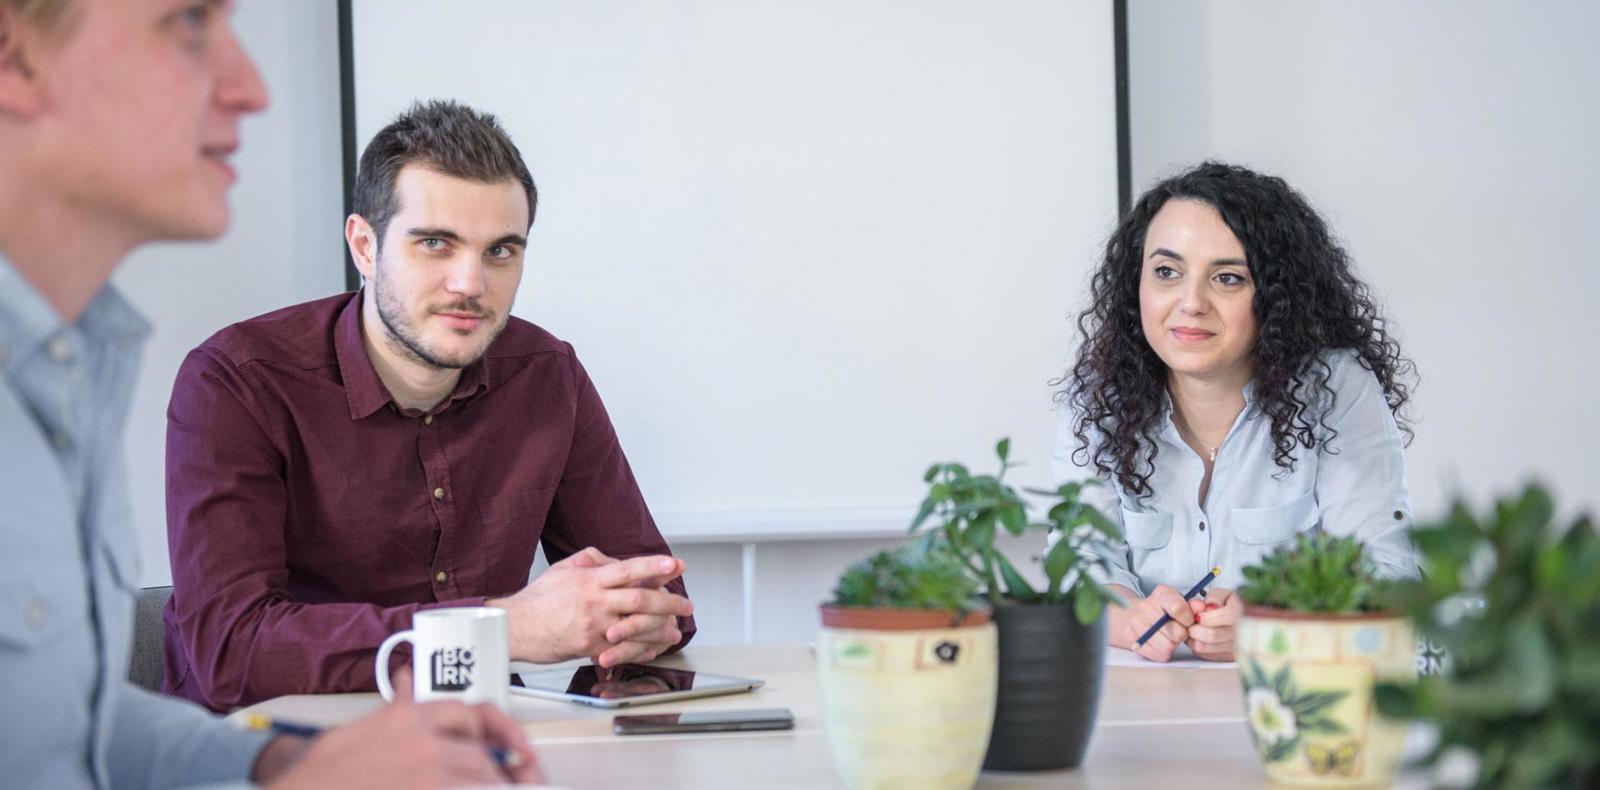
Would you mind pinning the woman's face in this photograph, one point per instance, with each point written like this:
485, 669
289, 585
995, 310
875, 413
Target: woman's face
1195, 293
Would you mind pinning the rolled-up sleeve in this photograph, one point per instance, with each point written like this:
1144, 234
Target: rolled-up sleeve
1361, 477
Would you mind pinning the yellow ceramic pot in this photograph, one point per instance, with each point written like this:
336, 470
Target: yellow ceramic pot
1308, 681
907, 699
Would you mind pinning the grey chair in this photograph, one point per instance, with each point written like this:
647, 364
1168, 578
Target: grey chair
145, 666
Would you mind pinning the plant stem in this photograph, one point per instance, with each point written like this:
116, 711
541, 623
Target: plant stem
994, 583
955, 547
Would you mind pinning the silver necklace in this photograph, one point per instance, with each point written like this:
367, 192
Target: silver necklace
1211, 452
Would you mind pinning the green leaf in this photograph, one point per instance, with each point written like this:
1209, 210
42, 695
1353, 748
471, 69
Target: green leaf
1016, 586
1003, 449
1397, 701
1087, 602
980, 533
1058, 562
933, 471
1064, 515
923, 512
1524, 681
1014, 518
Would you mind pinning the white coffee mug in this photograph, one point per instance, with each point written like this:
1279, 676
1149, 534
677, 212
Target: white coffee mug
458, 653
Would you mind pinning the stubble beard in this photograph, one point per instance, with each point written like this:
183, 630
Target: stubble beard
402, 337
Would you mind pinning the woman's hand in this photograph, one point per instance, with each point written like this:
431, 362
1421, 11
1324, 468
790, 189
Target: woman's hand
1216, 624
1130, 622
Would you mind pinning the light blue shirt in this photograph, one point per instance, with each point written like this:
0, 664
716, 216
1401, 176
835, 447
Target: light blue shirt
1355, 486
68, 717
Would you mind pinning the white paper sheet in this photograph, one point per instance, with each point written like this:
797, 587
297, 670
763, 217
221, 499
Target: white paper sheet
1183, 659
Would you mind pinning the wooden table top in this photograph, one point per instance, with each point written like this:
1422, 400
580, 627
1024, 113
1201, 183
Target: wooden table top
1157, 728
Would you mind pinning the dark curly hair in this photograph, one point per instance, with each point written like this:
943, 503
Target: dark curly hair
1308, 300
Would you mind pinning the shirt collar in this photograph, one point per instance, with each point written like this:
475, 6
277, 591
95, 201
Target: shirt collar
27, 320
362, 387
1249, 398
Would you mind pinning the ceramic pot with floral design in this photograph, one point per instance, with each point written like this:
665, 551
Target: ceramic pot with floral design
1308, 684
907, 695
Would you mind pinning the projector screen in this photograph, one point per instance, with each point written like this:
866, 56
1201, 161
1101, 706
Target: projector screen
803, 248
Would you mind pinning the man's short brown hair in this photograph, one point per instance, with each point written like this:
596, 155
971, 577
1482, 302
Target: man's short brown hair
451, 138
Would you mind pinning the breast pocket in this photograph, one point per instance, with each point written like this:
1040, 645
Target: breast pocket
1148, 535
1260, 530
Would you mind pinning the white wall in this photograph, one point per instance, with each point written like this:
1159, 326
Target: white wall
283, 246
1453, 147
805, 249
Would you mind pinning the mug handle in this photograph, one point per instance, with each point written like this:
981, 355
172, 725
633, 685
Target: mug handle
382, 667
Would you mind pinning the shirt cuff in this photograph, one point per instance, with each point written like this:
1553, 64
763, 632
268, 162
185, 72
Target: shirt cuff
1116, 575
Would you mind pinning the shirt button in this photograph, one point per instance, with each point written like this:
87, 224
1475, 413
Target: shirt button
428, 420
35, 613
1202, 526
1399, 515
438, 493
440, 577
60, 349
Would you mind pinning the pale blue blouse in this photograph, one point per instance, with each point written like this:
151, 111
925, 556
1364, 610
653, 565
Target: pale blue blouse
1354, 486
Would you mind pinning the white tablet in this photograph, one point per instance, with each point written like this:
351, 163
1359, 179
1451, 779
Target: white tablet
626, 685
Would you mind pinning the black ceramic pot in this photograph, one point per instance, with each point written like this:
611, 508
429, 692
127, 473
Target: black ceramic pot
1051, 669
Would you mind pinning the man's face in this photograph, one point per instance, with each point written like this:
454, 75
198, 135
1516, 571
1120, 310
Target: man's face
449, 266
143, 100
1196, 295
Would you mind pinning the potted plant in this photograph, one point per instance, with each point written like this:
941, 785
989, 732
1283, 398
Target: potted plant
1317, 635
1514, 604
906, 666
1052, 639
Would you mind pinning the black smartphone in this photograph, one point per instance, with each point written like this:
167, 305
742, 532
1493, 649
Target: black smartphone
705, 721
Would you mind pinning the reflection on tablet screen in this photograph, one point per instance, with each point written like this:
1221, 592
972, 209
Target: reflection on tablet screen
628, 680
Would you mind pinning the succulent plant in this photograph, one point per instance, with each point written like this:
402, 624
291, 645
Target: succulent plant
920, 575
1317, 573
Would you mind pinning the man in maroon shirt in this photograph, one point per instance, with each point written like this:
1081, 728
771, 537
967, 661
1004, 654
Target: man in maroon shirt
335, 466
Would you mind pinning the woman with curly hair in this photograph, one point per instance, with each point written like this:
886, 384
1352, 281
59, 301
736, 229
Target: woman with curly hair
1235, 386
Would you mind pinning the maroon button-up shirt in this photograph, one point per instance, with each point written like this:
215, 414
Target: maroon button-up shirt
308, 516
